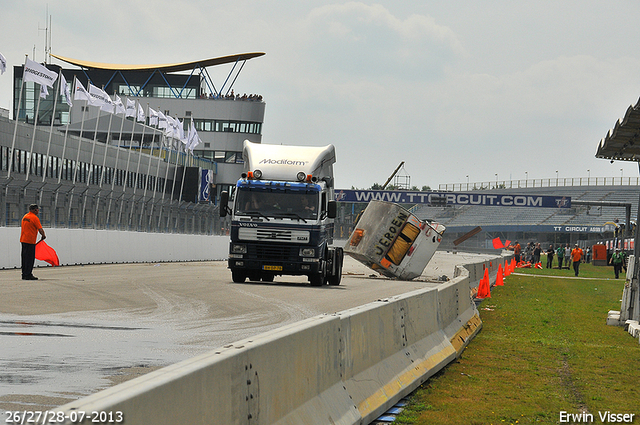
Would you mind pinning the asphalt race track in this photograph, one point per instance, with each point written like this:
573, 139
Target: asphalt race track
79, 329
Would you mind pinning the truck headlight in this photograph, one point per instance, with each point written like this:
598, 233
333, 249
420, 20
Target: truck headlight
307, 252
238, 249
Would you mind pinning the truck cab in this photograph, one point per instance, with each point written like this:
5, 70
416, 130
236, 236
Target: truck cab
282, 210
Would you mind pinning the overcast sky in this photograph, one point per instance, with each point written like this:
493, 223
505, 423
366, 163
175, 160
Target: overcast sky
453, 89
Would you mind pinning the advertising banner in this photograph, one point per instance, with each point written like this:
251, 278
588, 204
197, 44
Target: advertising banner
207, 179
453, 198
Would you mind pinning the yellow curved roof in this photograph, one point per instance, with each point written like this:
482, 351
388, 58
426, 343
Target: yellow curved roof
175, 67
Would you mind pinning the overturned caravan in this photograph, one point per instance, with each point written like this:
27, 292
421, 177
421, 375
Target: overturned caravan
392, 241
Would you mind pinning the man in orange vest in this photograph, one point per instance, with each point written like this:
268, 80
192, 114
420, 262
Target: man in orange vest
576, 256
517, 249
30, 228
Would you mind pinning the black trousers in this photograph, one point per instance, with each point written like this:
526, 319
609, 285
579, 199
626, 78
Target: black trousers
576, 267
617, 268
28, 257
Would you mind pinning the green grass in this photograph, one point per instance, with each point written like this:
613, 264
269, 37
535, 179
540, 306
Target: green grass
544, 348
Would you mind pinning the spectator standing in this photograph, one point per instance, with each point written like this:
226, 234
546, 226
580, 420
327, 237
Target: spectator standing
30, 227
567, 255
517, 249
560, 252
576, 256
537, 252
550, 252
617, 260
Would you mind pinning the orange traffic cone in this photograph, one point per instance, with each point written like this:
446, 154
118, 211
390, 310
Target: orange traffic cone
513, 264
484, 287
499, 278
507, 269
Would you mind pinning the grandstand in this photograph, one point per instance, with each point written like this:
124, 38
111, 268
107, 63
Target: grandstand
553, 225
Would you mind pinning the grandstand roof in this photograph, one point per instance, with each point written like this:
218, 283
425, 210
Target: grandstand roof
622, 143
176, 67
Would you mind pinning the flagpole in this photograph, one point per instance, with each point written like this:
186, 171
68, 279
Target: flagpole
173, 186
124, 186
184, 173
135, 186
148, 179
66, 132
175, 172
91, 165
64, 148
106, 145
55, 104
33, 137
93, 148
102, 171
166, 177
77, 163
113, 181
15, 129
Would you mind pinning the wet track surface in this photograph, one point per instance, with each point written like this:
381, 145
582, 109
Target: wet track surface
80, 329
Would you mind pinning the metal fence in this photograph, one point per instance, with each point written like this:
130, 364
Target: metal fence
533, 183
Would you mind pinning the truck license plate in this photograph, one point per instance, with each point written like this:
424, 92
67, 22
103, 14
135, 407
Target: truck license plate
272, 268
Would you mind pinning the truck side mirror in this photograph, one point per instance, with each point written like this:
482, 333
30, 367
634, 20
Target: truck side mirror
224, 203
332, 209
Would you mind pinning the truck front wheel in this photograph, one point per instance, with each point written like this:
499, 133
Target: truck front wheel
336, 275
238, 276
320, 278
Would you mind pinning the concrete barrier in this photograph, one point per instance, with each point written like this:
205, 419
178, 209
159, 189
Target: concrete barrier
345, 368
85, 246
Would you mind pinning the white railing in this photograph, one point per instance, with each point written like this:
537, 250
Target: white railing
532, 183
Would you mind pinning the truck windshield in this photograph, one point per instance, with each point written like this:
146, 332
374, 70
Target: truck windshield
277, 204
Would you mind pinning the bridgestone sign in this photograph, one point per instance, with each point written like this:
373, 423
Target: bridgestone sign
450, 198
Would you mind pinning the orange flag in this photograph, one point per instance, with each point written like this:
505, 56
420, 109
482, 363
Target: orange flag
45, 253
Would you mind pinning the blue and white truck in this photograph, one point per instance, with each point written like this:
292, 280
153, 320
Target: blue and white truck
282, 215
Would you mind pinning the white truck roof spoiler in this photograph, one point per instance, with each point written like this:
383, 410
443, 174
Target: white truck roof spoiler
284, 162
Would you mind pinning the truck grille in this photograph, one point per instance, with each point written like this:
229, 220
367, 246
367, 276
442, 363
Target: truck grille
277, 253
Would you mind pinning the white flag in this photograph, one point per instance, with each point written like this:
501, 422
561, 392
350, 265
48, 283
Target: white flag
100, 98
193, 139
131, 108
81, 93
65, 90
44, 92
37, 73
120, 109
181, 136
171, 127
140, 116
162, 120
3, 64
153, 117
